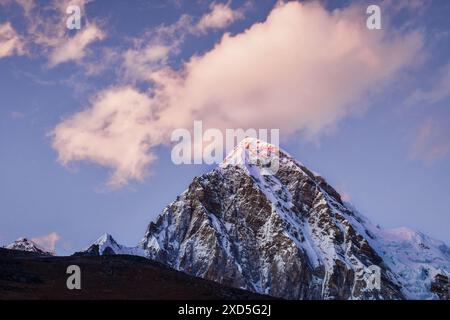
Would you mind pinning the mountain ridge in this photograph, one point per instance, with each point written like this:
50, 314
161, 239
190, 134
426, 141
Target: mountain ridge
286, 233
305, 215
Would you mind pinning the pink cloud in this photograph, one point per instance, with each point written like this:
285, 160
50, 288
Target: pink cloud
220, 16
47, 33
10, 41
432, 141
75, 48
303, 69
115, 133
48, 241
151, 51
345, 196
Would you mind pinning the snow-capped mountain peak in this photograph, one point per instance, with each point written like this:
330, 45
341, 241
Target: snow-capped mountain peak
106, 245
287, 234
106, 240
245, 148
254, 156
417, 259
25, 244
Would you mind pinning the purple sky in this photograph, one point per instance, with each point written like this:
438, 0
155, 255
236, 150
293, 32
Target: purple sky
86, 115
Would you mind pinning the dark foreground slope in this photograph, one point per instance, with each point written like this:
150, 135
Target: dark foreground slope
25, 275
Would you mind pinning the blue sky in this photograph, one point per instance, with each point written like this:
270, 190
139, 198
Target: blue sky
381, 137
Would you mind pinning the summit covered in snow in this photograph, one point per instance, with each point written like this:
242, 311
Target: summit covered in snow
24, 244
106, 245
286, 233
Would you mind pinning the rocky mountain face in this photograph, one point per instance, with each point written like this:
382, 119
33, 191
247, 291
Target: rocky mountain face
24, 244
288, 235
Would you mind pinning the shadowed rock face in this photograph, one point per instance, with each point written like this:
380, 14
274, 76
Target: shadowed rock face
288, 235
441, 286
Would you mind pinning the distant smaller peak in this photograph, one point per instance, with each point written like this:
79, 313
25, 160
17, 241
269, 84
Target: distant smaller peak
105, 238
25, 244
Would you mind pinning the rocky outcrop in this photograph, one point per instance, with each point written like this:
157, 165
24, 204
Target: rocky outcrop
441, 286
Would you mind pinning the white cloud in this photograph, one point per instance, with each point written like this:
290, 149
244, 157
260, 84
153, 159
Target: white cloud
46, 32
10, 41
303, 69
220, 17
74, 49
114, 132
48, 242
139, 63
152, 51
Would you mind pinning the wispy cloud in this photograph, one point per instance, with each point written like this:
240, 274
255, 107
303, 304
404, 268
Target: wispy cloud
152, 51
432, 141
74, 49
303, 69
17, 115
46, 32
10, 41
438, 92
